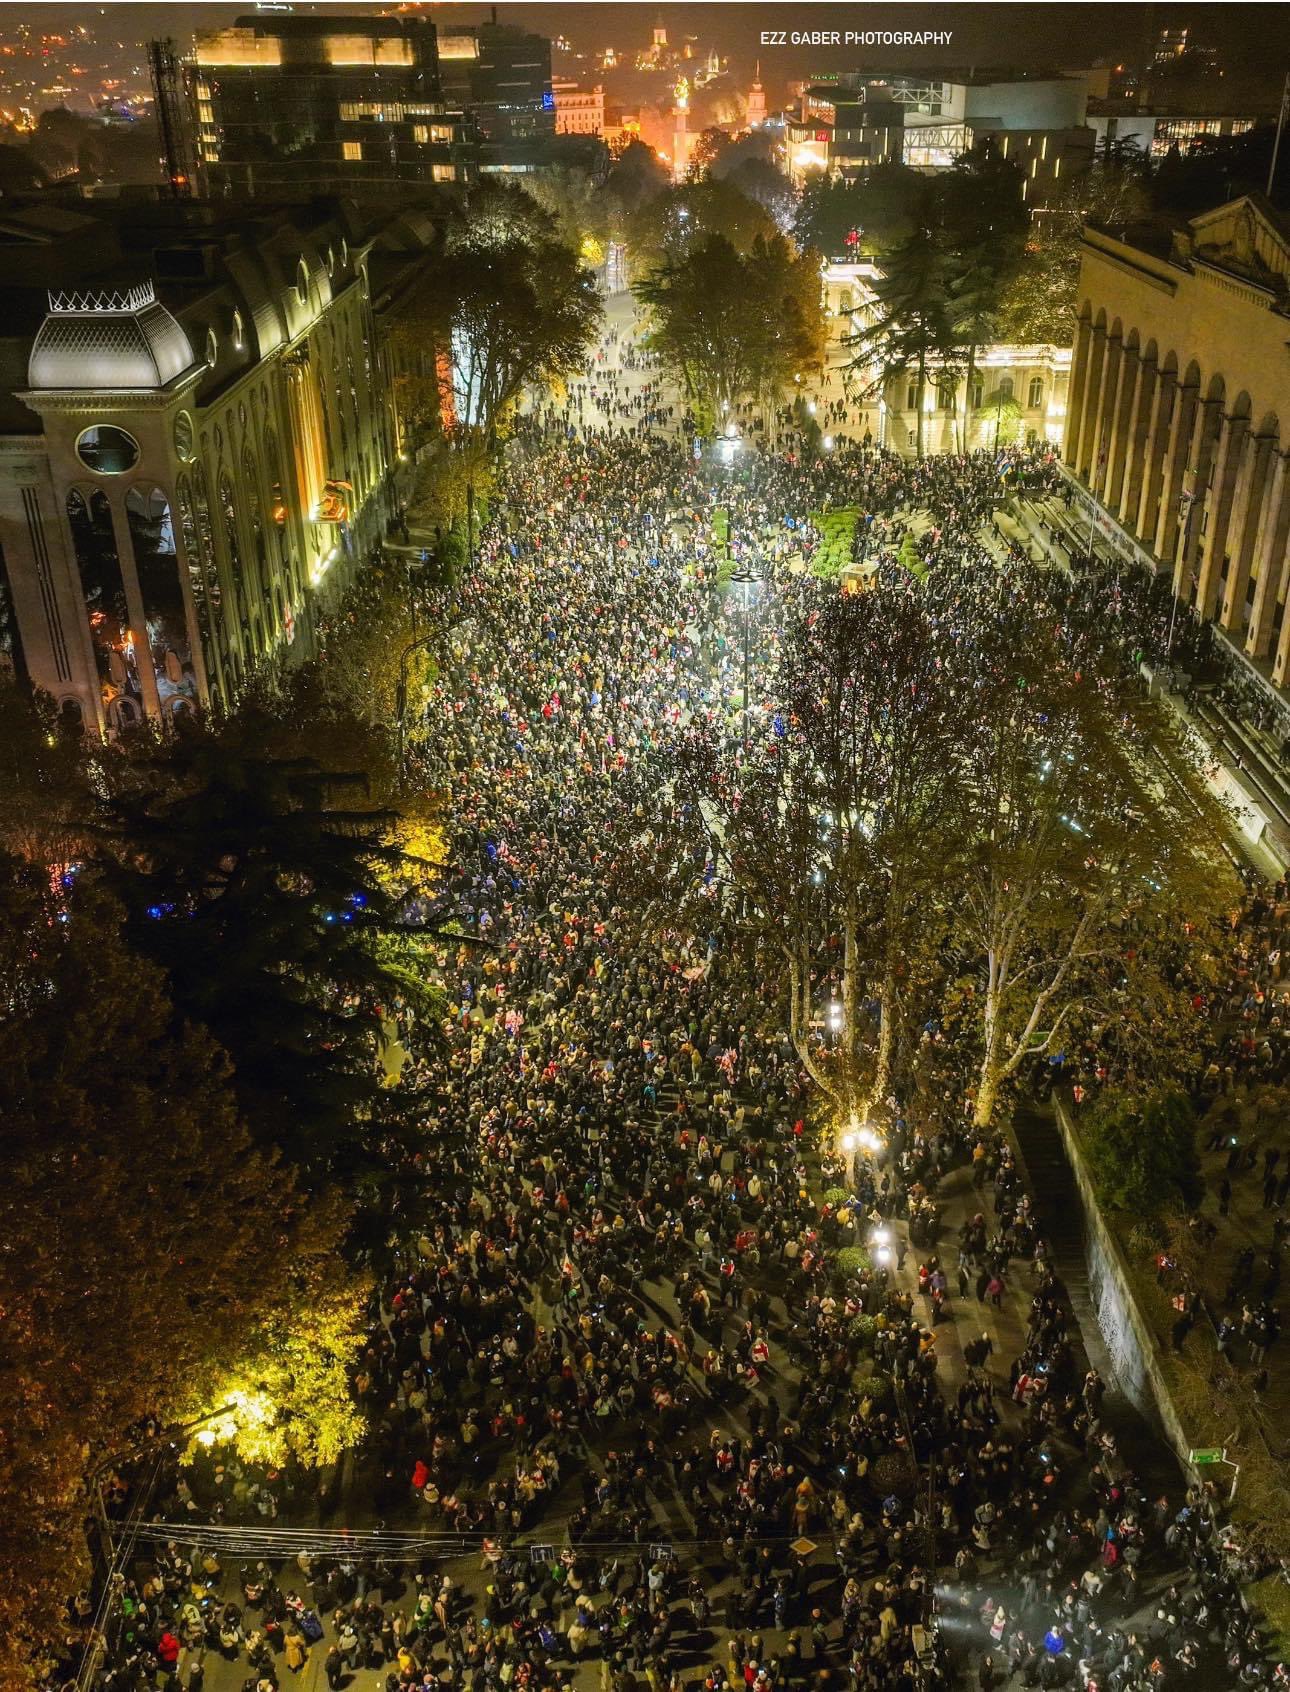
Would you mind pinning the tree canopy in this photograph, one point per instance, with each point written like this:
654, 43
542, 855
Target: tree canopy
735, 326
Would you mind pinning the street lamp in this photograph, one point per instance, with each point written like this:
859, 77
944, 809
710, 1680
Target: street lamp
747, 580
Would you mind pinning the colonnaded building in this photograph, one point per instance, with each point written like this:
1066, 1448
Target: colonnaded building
196, 442
1178, 429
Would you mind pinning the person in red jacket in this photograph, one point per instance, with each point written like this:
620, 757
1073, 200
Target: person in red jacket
168, 1650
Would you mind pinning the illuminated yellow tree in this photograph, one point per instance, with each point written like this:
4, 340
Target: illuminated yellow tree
291, 1394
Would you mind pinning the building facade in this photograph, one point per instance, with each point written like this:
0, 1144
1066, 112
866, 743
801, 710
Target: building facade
1015, 393
1179, 392
287, 105
195, 447
578, 111
505, 87
1156, 131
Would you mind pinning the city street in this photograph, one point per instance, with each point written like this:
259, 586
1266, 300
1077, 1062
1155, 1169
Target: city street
669, 1361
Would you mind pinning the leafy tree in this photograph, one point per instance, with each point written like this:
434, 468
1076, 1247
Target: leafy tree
1087, 817
758, 180
1038, 303
1143, 1153
734, 327
912, 325
515, 314
44, 780
508, 301
638, 175
984, 222
884, 208
825, 839
260, 893
707, 149
830, 211
144, 1237
680, 220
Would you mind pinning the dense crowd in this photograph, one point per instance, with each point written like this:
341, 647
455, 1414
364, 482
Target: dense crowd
653, 1326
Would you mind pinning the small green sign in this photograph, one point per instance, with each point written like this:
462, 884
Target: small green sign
1206, 1454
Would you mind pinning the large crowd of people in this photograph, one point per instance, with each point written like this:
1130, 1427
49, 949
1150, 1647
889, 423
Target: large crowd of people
634, 1359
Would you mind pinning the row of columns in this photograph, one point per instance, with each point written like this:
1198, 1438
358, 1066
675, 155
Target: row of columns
1191, 482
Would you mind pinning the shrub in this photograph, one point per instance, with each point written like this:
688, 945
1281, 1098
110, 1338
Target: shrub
876, 1388
834, 1196
1143, 1153
851, 1262
862, 1332
893, 1472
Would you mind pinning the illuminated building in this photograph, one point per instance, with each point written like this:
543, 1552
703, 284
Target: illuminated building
756, 101
296, 105
195, 444
500, 76
1156, 130
1177, 424
1018, 393
578, 111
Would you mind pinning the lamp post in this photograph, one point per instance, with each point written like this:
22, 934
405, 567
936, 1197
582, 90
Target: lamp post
747, 580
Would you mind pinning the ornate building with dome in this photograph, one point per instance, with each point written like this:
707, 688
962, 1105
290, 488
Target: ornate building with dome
196, 443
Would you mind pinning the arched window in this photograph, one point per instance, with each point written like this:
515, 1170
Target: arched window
302, 282
1005, 387
103, 589
233, 548
978, 392
259, 541
152, 536
212, 348
239, 336
1035, 393
911, 394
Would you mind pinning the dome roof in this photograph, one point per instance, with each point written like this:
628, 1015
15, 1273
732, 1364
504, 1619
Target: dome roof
108, 340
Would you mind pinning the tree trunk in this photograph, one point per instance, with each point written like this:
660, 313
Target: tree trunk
987, 1093
967, 398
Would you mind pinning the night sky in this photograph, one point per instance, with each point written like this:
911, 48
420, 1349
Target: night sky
1254, 40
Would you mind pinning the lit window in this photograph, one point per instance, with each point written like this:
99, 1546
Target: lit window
444, 173
302, 282
237, 330
351, 149
1035, 395
1043, 148
1057, 167
212, 348
421, 132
